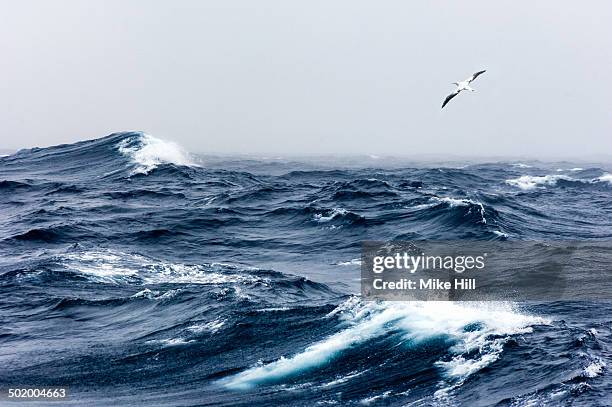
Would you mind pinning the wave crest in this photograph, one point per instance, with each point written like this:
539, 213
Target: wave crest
148, 152
490, 324
530, 182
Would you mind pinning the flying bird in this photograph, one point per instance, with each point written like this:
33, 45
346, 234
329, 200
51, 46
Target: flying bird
461, 86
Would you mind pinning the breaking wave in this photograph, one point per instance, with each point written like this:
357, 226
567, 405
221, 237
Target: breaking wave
530, 182
149, 152
475, 334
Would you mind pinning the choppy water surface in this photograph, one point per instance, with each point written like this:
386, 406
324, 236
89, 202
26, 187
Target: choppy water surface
136, 273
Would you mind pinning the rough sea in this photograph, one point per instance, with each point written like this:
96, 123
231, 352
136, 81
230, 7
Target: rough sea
135, 273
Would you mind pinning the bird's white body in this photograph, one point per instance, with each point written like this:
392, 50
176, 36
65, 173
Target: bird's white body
461, 86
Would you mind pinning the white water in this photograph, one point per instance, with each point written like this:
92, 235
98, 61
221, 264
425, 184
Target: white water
153, 152
419, 321
527, 182
594, 369
319, 217
113, 267
454, 202
605, 178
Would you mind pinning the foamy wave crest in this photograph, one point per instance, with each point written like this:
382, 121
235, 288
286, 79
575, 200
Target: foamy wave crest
210, 326
102, 265
418, 321
594, 369
352, 262
501, 234
170, 342
605, 178
575, 169
155, 295
369, 400
329, 215
527, 182
148, 152
343, 379
113, 267
455, 202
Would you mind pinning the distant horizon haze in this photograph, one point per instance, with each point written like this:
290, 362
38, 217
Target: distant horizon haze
397, 158
318, 78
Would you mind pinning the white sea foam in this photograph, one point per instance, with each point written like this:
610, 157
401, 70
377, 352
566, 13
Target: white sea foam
327, 403
352, 262
102, 266
369, 400
454, 202
605, 178
575, 169
321, 218
146, 293
343, 379
155, 295
422, 206
594, 369
349, 309
115, 267
418, 321
151, 152
170, 341
210, 326
273, 309
313, 356
527, 182
521, 165
558, 396
462, 367
176, 273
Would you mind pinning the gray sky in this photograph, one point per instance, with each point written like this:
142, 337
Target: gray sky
326, 77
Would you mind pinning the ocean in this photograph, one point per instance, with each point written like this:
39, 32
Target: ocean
135, 273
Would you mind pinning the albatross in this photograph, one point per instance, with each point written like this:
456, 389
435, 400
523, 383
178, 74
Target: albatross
461, 86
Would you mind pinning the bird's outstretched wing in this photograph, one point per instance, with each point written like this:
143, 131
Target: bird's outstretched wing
448, 98
471, 78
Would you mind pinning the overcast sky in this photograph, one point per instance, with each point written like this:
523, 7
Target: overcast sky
326, 77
